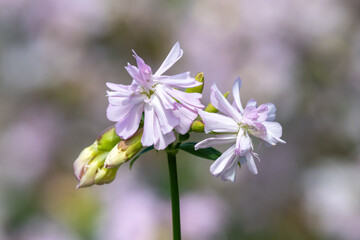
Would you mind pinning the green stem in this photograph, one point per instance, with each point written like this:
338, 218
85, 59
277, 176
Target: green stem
174, 188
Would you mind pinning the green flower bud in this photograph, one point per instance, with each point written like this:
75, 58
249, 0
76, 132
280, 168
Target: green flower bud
200, 78
87, 176
108, 139
197, 126
84, 159
105, 175
211, 108
124, 150
89, 166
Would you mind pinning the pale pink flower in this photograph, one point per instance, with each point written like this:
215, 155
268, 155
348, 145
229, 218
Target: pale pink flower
165, 107
236, 126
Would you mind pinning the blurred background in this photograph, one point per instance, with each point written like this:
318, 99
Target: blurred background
302, 55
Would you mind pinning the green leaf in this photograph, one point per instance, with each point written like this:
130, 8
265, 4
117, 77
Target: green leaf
208, 153
140, 153
183, 138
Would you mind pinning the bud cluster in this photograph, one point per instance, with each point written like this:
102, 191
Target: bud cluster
98, 163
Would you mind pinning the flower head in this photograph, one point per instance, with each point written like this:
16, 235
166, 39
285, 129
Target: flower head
235, 127
157, 96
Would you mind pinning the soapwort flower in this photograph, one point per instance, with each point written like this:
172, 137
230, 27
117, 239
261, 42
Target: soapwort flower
165, 107
235, 127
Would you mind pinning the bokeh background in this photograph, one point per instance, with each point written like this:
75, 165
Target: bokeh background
302, 55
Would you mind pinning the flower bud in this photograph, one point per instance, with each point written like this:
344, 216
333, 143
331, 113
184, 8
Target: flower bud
197, 126
105, 175
200, 78
89, 170
108, 139
124, 150
84, 159
89, 166
210, 108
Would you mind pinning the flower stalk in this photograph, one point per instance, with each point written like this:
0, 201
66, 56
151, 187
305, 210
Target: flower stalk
174, 190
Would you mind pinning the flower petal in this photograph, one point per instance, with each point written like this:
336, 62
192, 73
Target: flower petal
266, 112
117, 113
230, 172
224, 161
274, 129
124, 101
144, 69
130, 124
182, 80
251, 103
147, 138
219, 139
166, 99
186, 117
120, 88
166, 118
215, 122
134, 73
251, 163
236, 94
161, 141
190, 100
220, 102
243, 143
175, 54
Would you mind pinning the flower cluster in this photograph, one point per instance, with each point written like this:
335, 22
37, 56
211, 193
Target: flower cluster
149, 111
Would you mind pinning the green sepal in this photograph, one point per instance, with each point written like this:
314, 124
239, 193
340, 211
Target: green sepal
200, 78
108, 139
207, 153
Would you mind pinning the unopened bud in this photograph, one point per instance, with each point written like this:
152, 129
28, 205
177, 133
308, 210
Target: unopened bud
89, 166
124, 150
105, 175
210, 108
84, 159
200, 78
87, 176
108, 139
197, 126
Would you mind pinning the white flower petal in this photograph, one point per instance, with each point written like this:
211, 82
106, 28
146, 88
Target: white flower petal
166, 99
251, 163
190, 100
220, 102
130, 100
224, 161
117, 113
230, 173
251, 103
161, 141
217, 140
271, 112
147, 138
182, 80
120, 88
186, 116
243, 143
175, 54
236, 94
274, 132
215, 122
166, 118
134, 73
130, 124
